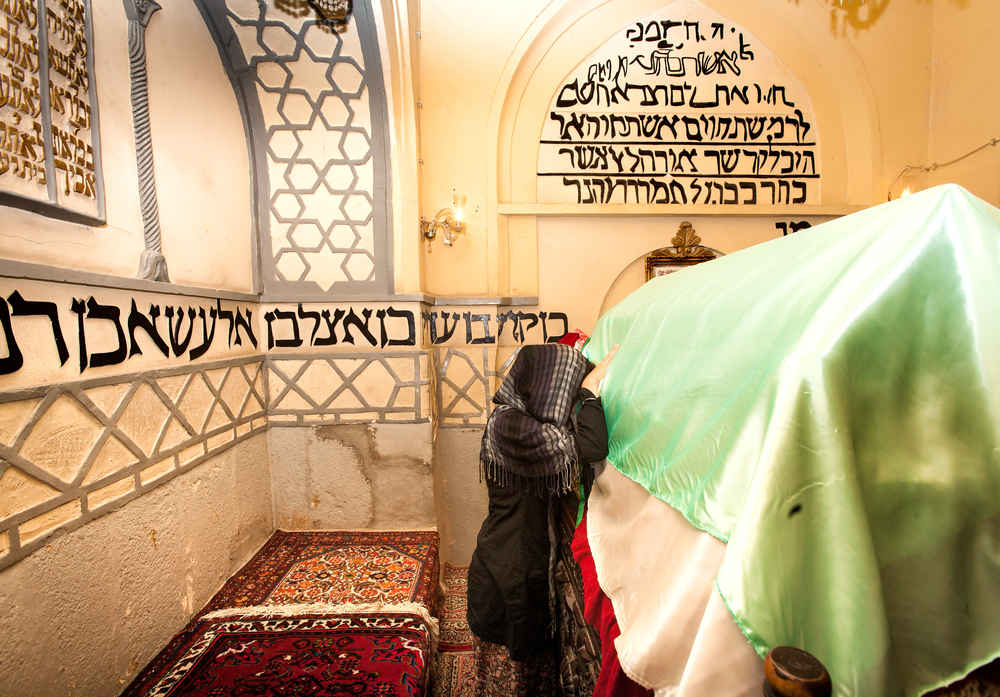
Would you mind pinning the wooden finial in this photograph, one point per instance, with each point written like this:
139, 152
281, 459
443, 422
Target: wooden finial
791, 672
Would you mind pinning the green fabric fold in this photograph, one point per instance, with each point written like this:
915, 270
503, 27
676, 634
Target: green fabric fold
829, 405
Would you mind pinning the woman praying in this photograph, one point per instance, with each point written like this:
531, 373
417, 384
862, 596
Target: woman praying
547, 421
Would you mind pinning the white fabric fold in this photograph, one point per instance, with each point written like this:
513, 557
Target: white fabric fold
307, 609
677, 637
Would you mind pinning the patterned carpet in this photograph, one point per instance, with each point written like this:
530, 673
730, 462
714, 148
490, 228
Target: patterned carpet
367, 654
336, 568
312, 613
455, 634
455, 670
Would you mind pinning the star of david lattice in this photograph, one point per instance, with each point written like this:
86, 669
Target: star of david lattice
317, 95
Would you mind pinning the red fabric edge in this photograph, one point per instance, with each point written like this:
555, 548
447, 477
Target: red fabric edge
598, 611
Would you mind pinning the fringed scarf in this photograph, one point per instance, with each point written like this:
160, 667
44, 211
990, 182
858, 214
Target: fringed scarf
527, 440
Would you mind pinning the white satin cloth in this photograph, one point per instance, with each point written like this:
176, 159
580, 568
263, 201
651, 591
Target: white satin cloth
677, 637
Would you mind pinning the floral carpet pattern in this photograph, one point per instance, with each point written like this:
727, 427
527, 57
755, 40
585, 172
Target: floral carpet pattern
455, 634
456, 668
370, 654
295, 568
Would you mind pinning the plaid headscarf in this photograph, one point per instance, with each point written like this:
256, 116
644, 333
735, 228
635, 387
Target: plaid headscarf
527, 440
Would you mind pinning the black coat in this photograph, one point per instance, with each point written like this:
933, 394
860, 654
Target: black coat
508, 597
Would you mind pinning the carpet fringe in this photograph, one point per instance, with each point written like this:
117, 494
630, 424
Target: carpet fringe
269, 611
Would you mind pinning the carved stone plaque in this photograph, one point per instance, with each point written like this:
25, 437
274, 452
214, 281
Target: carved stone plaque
49, 150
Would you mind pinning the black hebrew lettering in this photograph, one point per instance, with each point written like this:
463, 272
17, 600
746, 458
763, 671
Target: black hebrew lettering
178, 346
247, 327
23, 308
80, 307
736, 196
800, 186
271, 317
315, 316
111, 313
14, 360
411, 327
136, 320
435, 339
553, 338
353, 320
90, 310
207, 336
380, 315
794, 226
501, 320
469, 320
517, 331
521, 317
227, 315
666, 102
331, 338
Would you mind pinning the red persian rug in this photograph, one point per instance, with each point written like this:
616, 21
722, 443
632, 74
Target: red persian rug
334, 568
362, 654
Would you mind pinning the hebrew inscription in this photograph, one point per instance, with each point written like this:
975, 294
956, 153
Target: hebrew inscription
98, 334
548, 327
682, 106
49, 157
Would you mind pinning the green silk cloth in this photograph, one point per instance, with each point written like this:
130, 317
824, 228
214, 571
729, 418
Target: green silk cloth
828, 404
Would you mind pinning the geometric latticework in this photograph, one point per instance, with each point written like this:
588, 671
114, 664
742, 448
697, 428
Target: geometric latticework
321, 143
72, 451
346, 387
466, 383
463, 387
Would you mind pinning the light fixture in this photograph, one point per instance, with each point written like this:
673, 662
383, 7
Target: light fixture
450, 220
909, 181
911, 173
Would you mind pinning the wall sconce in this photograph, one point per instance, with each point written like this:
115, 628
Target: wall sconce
908, 180
450, 220
911, 173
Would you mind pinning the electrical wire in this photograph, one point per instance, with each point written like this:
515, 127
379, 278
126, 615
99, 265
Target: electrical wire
935, 165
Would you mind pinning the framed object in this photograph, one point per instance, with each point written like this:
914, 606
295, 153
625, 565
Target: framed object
686, 251
50, 154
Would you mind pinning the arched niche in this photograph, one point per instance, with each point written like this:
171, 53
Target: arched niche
532, 238
829, 70
314, 106
633, 276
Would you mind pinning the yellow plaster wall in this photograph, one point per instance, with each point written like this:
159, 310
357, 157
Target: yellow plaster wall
465, 48
963, 101
200, 154
487, 75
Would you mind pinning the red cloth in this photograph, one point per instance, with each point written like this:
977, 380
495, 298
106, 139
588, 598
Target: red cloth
597, 610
